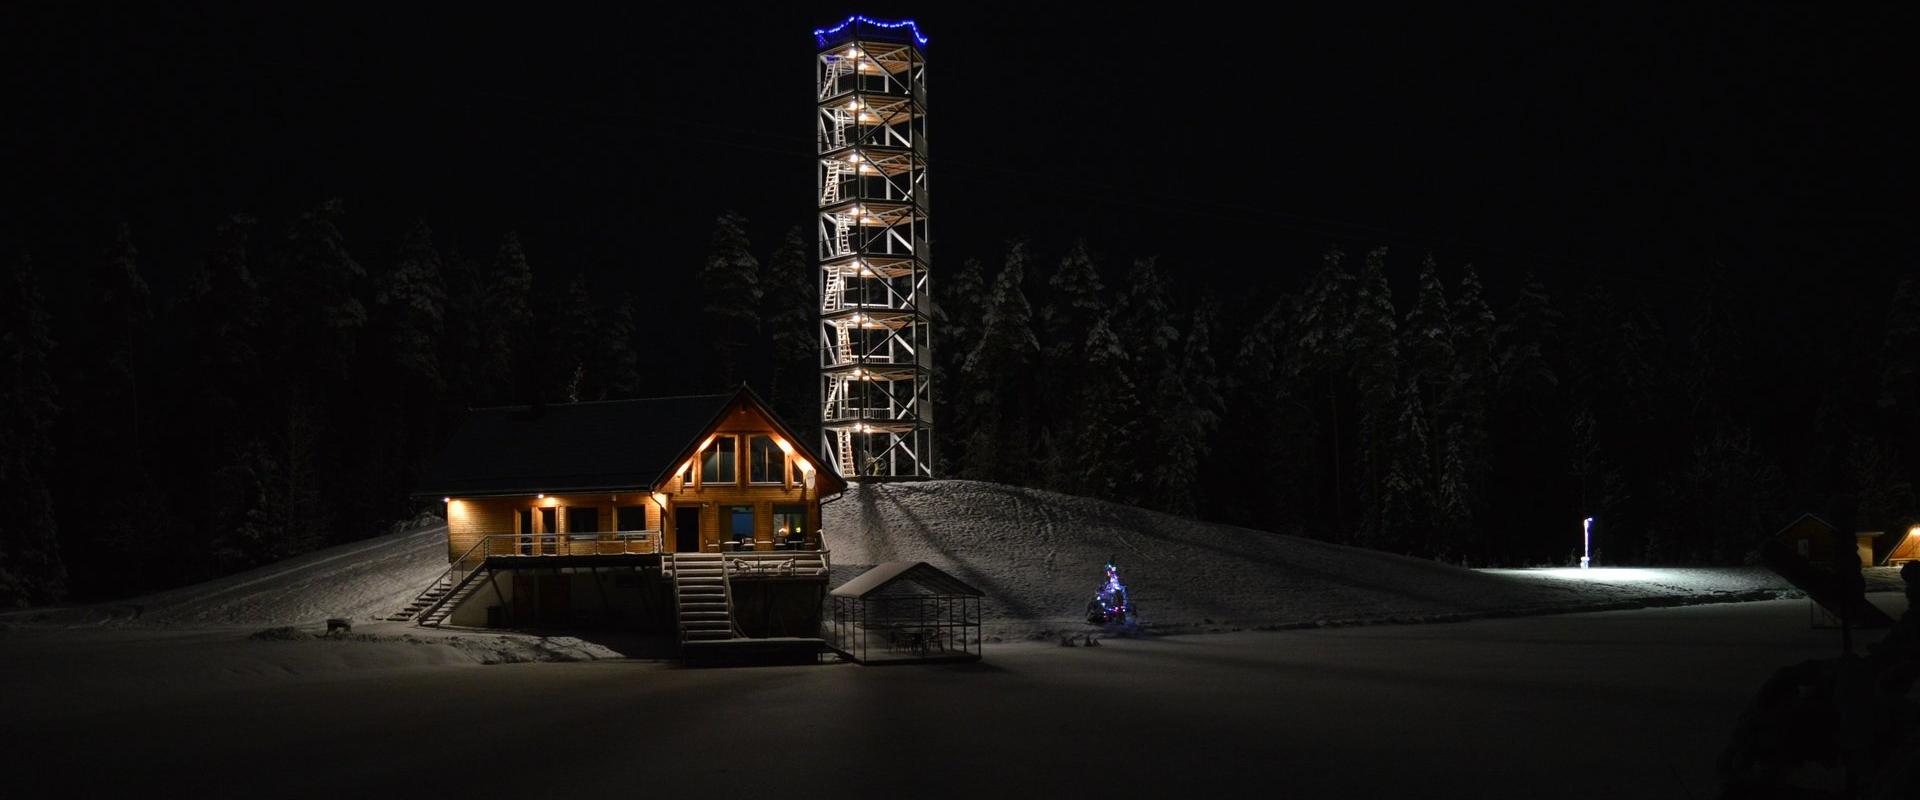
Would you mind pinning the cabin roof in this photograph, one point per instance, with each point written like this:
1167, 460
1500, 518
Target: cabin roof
607, 445
593, 446
897, 575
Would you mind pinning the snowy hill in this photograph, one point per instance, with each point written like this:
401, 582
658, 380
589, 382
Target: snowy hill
358, 580
1038, 555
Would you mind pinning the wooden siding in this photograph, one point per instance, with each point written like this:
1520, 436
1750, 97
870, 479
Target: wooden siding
744, 423
468, 519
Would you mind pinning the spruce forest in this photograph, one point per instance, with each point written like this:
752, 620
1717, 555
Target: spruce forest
286, 395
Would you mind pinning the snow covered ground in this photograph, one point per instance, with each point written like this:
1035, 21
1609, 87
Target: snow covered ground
193, 692
1037, 555
358, 581
1605, 705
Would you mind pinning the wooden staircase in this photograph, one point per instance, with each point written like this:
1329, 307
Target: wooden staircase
703, 600
438, 601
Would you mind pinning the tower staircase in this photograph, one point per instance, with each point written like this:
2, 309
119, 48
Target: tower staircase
836, 292
703, 598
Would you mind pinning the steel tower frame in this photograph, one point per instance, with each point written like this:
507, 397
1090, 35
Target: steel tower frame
876, 356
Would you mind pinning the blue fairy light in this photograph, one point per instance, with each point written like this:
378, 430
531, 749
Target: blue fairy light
821, 34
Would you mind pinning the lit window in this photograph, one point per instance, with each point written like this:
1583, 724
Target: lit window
763, 460
789, 524
720, 463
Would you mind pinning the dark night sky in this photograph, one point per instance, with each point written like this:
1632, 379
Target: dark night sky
1645, 143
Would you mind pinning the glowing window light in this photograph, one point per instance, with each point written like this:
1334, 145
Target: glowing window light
821, 34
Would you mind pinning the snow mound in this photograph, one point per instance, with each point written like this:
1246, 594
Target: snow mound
359, 580
1038, 556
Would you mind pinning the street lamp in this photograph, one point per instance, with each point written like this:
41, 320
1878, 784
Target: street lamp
1586, 543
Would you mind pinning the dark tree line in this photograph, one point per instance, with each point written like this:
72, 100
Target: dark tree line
283, 391
1444, 423
287, 389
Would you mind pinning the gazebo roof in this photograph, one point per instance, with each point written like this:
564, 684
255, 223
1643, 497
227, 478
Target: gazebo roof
894, 574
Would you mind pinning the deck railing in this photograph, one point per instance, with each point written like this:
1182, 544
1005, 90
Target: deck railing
568, 544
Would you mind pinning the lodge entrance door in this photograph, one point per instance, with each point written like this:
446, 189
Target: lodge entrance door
686, 529
549, 537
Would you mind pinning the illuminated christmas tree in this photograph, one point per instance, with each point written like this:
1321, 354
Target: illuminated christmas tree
1110, 605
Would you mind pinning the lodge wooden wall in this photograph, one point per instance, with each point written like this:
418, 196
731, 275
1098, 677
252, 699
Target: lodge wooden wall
743, 423
468, 519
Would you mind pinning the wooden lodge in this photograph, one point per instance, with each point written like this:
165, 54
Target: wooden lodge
698, 516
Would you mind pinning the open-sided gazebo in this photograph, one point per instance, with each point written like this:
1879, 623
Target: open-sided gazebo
906, 611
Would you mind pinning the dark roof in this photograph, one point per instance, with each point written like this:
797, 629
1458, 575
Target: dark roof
613, 444
896, 575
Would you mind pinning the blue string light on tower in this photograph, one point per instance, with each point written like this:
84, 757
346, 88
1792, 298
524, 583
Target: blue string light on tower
876, 406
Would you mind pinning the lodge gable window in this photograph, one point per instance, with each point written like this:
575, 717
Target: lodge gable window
720, 464
764, 460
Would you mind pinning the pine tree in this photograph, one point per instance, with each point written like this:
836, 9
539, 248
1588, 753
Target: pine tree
957, 314
1317, 364
410, 312
1899, 366
1462, 425
1374, 366
1534, 426
106, 440
1109, 423
616, 364
1426, 341
225, 311
507, 363
730, 313
792, 303
1405, 500
1146, 324
318, 301
998, 375
1075, 298
1530, 334
575, 339
31, 569
1189, 409
1265, 411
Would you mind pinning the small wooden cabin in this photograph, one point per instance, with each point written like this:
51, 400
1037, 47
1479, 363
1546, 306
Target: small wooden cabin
702, 511
1818, 541
1906, 548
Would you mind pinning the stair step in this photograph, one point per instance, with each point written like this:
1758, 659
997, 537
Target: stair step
703, 616
709, 635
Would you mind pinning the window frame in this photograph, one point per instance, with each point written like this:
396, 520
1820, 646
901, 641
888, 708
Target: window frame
775, 456
732, 463
790, 510
733, 512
